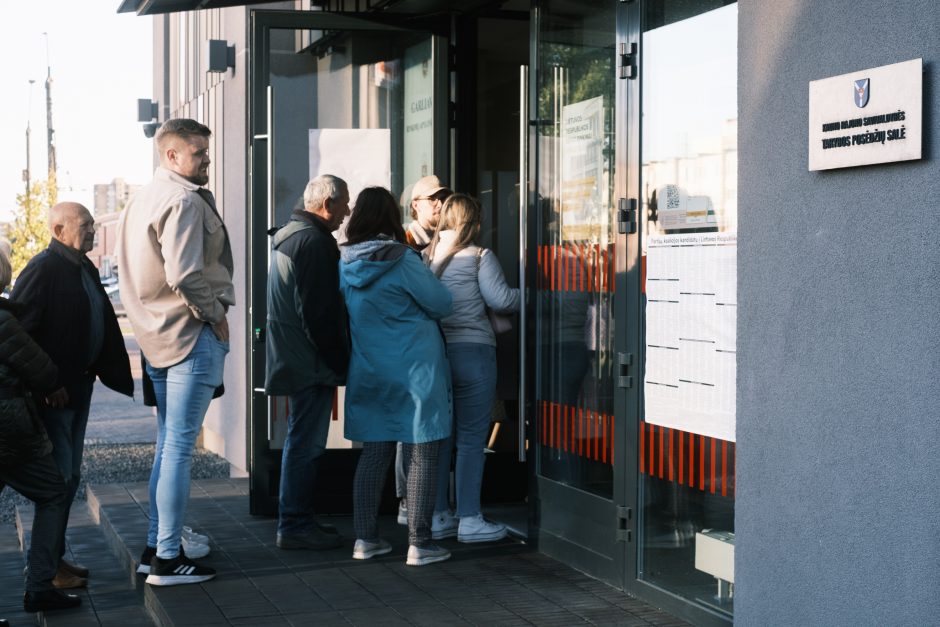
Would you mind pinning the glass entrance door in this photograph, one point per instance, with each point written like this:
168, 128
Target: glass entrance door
330, 94
574, 289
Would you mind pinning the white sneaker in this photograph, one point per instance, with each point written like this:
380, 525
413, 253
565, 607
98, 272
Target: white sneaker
443, 525
420, 556
194, 537
194, 549
402, 513
476, 529
363, 549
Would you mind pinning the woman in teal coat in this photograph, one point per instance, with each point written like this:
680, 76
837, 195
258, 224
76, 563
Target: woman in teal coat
398, 385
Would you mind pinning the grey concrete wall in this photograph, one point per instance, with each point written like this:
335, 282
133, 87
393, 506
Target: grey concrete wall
838, 503
226, 423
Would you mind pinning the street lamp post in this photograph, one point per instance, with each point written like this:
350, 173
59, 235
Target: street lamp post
26, 173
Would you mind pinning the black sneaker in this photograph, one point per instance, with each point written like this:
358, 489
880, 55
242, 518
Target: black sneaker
143, 568
177, 571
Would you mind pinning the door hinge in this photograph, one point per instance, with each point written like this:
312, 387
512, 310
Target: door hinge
624, 361
624, 516
626, 215
628, 60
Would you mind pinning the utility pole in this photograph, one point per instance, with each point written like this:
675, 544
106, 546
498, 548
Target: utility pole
49, 130
26, 173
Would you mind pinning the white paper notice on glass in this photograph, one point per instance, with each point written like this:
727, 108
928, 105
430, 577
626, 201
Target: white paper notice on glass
360, 156
691, 337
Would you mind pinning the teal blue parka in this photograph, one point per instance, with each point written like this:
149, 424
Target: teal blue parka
398, 386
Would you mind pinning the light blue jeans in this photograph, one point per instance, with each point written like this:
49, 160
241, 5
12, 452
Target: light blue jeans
183, 393
307, 428
473, 375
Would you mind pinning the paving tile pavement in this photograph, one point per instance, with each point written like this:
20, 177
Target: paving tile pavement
507, 583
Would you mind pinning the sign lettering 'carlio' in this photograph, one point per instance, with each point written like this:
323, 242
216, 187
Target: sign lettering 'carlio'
878, 122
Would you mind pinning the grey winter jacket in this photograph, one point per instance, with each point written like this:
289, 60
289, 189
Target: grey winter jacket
475, 281
24, 367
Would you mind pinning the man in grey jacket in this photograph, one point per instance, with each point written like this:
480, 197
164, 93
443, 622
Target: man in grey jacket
307, 349
175, 272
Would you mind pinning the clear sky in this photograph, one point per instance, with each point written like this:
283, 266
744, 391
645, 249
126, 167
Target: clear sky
101, 64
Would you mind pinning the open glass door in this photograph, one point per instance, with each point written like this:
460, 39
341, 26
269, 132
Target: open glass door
573, 292
349, 96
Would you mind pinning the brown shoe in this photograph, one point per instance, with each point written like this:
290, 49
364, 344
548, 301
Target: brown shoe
75, 569
65, 580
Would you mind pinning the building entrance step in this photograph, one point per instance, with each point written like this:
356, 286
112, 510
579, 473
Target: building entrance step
109, 599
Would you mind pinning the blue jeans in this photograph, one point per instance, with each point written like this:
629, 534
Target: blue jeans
183, 393
66, 429
473, 375
308, 425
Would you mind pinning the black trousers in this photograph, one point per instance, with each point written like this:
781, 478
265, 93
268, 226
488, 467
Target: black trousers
40, 481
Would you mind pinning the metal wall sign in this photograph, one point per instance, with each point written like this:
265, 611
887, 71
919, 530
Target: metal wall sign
865, 117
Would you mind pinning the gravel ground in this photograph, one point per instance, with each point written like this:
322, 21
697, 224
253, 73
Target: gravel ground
121, 463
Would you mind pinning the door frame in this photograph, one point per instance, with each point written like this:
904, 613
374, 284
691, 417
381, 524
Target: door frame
564, 506
630, 17
264, 462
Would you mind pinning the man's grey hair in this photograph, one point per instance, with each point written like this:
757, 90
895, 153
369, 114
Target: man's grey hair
6, 271
323, 187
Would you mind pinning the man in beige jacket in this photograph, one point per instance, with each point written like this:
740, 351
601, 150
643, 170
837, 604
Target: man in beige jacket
175, 271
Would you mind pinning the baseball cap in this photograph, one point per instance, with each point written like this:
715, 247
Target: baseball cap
426, 187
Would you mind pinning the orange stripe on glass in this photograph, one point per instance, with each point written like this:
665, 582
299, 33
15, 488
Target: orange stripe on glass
714, 444
642, 447
681, 456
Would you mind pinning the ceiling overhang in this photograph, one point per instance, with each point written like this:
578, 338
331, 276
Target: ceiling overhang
157, 7
416, 7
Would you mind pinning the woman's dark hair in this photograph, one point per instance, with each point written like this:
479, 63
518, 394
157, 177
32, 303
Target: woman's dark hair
375, 213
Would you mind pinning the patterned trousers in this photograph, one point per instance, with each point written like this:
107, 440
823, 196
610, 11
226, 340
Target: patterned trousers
370, 479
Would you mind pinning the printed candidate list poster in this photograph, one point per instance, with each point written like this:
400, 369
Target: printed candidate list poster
691, 315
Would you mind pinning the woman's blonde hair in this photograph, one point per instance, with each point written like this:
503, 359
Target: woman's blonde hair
461, 213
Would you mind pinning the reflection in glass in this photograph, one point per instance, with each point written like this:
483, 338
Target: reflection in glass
355, 86
575, 281
689, 187
349, 80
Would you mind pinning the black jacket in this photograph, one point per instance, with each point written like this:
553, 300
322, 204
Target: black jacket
57, 314
307, 332
24, 369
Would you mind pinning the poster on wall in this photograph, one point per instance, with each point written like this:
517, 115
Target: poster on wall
419, 114
582, 169
691, 336
359, 156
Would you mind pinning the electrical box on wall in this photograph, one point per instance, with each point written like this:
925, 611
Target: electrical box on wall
714, 554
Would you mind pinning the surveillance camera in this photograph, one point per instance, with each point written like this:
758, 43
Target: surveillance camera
150, 129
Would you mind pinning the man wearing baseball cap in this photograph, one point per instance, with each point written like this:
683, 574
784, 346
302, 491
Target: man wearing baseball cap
427, 196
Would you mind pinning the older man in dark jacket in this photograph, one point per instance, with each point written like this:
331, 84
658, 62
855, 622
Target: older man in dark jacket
307, 351
66, 311
26, 463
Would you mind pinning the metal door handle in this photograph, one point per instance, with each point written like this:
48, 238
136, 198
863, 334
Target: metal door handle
523, 207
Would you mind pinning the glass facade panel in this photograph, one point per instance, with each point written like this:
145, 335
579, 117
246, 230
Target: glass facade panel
575, 245
349, 80
689, 227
